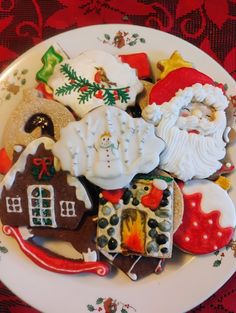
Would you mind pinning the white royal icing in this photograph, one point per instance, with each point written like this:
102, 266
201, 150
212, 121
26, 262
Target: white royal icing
108, 147
85, 66
80, 191
191, 155
20, 164
214, 198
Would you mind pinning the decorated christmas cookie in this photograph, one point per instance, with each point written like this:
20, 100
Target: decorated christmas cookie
36, 193
139, 219
108, 147
209, 218
135, 267
92, 79
174, 62
194, 126
85, 260
53, 56
32, 118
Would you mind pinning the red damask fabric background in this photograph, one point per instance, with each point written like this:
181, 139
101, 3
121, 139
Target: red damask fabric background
208, 24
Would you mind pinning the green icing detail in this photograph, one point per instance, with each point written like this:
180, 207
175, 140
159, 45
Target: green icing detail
88, 90
37, 221
47, 221
152, 176
35, 171
50, 59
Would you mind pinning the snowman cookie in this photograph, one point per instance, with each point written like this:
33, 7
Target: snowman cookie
209, 218
108, 147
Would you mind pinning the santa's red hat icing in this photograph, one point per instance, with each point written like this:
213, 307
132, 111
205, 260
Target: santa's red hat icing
178, 79
209, 218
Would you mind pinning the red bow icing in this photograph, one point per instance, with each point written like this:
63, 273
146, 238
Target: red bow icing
44, 163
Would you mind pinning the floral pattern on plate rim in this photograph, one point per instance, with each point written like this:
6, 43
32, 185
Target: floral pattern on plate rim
3, 249
221, 254
121, 39
109, 305
12, 84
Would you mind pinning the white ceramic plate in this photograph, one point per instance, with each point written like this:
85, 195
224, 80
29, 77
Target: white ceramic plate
187, 280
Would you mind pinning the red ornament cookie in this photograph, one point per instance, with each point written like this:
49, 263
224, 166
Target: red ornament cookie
209, 218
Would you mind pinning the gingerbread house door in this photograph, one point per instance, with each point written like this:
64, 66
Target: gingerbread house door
41, 205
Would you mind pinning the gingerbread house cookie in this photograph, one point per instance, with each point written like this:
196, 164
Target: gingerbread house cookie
36, 193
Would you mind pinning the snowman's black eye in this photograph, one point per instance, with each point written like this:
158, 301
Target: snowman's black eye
103, 139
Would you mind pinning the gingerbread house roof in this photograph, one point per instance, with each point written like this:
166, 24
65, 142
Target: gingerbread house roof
20, 165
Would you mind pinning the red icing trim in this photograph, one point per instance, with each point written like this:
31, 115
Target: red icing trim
43, 89
200, 233
153, 199
180, 78
113, 196
140, 62
5, 162
224, 169
54, 264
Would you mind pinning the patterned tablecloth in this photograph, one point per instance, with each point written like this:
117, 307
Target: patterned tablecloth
208, 24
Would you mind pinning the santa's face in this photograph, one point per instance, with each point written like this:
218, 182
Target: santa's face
193, 131
197, 118
105, 142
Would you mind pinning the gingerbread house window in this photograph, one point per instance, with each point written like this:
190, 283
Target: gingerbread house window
67, 208
13, 205
41, 205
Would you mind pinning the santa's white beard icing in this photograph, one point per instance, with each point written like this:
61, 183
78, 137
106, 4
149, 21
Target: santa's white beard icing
195, 145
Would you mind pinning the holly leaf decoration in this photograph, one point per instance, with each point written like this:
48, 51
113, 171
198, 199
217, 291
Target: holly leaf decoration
3, 249
88, 90
124, 311
99, 301
90, 308
217, 263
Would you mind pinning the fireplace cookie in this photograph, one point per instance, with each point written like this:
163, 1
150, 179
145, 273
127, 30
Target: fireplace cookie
209, 218
138, 219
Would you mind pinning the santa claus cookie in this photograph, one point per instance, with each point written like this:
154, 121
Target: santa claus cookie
32, 118
193, 124
92, 79
108, 147
209, 218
